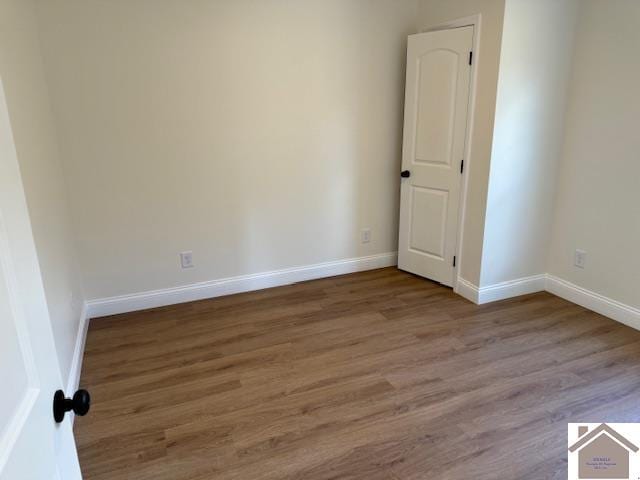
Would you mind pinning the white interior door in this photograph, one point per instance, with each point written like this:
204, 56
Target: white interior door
436, 105
32, 445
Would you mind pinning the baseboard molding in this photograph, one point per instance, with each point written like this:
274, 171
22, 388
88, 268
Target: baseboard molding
78, 351
467, 290
500, 291
228, 286
513, 288
581, 296
73, 382
594, 301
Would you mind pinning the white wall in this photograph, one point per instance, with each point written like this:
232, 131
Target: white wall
259, 134
22, 74
434, 13
535, 64
598, 200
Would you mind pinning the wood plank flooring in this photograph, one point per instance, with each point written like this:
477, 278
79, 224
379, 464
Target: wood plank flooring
375, 375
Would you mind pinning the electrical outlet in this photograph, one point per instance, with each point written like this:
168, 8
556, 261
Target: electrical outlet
366, 235
186, 259
580, 260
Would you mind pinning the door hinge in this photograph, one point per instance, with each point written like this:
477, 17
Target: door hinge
470, 58
461, 166
454, 261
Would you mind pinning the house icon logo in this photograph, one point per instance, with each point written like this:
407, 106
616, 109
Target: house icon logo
602, 452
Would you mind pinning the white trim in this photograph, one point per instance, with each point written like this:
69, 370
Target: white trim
73, 382
228, 286
594, 301
476, 22
512, 288
501, 291
467, 290
573, 293
457, 23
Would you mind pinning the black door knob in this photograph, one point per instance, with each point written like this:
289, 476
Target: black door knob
405, 174
80, 404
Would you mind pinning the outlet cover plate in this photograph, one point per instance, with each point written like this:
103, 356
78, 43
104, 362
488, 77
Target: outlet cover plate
580, 259
186, 259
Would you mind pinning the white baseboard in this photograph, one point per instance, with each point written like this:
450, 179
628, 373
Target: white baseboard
468, 290
513, 288
594, 301
500, 291
73, 382
228, 286
581, 296
78, 352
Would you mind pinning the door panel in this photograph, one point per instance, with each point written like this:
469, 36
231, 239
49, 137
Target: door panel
436, 96
30, 440
428, 221
10, 354
436, 105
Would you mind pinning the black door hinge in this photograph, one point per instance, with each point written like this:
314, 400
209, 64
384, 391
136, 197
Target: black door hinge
470, 58
461, 166
454, 261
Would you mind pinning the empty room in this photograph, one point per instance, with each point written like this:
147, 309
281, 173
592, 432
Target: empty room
319, 239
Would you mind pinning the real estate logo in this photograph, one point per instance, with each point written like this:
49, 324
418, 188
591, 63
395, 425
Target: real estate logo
604, 451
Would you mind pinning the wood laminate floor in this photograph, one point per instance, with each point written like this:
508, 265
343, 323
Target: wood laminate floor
375, 375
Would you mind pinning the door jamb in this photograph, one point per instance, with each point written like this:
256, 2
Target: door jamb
475, 21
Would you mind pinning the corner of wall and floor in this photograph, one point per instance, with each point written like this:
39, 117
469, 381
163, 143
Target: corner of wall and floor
588, 299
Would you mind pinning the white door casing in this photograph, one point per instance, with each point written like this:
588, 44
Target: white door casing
32, 445
435, 124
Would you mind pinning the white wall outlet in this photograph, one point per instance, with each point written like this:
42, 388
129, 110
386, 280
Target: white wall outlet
580, 260
186, 259
365, 235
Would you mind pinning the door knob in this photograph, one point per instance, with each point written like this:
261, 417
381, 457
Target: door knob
80, 404
405, 174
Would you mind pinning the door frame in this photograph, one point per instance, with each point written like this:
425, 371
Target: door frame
474, 21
